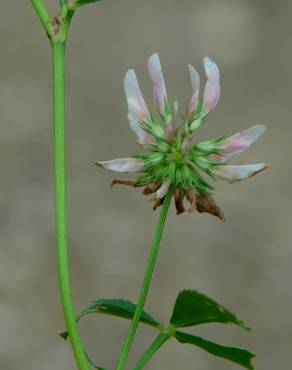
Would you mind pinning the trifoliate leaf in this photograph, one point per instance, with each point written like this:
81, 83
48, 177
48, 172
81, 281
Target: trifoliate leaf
116, 307
194, 308
240, 356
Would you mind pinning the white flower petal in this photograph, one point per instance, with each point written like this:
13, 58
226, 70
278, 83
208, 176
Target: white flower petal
161, 192
123, 165
136, 103
159, 90
195, 80
144, 137
241, 141
240, 172
212, 88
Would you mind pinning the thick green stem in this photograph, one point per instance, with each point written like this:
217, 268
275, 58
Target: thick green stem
61, 204
146, 282
150, 352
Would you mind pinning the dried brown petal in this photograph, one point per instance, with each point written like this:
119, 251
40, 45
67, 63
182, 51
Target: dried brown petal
206, 203
191, 195
133, 184
151, 188
178, 197
158, 203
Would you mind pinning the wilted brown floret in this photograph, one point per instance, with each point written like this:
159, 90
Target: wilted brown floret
134, 184
206, 203
178, 198
201, 203
151, 188
191, 195
157, 203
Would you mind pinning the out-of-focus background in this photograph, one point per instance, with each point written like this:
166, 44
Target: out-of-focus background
245, 263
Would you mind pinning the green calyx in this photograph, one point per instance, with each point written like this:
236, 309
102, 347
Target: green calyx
171, 156
180, 162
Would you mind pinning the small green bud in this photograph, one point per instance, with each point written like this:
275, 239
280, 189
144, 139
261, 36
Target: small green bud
204, 163
157, 131
155, 157
167, 113
195, 124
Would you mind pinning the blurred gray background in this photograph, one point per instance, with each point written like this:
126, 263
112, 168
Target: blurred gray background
245, 263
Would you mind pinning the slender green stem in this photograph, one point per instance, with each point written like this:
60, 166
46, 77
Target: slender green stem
146, 282
67, 13
152, 349
58, 36
63, 3
61, 204
43, 15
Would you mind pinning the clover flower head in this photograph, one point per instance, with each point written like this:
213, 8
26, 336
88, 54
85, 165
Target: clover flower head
171, 161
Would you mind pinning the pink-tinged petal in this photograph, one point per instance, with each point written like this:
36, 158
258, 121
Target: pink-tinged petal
159, 90
170, 131
144, 137
136, 103
212, 88
241, 141
161, 192
240, 172
171, 126
123, 165
185, 145
195, 80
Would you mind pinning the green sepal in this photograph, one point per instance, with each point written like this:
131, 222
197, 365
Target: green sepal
240, 356
144, 180
199, 183
210, 146
207, 165
116, 307
193, 308
171, 172
154, 128
151, 159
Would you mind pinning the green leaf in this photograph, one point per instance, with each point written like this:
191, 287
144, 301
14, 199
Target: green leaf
84, 2
64, 335
121, 308
93, 364
193, 308
240, 356
116, 307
